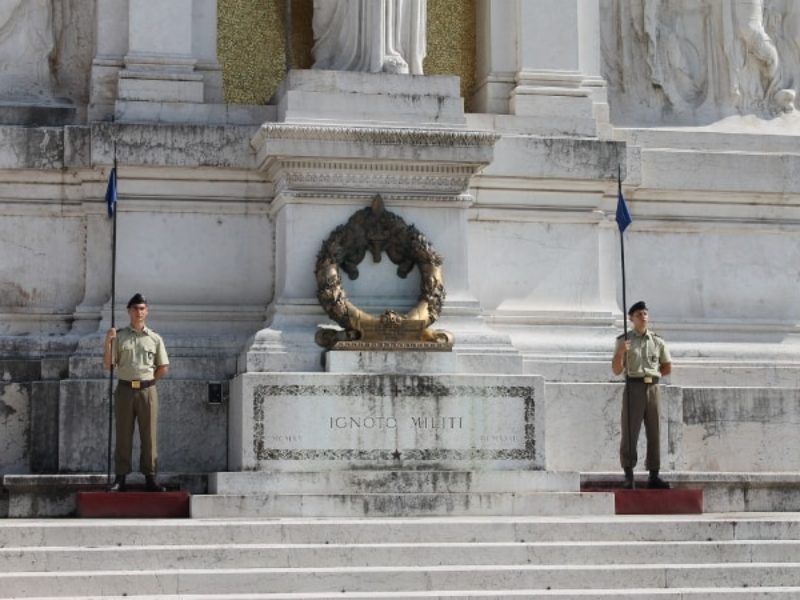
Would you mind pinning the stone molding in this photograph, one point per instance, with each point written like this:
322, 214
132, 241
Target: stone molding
375, 135
368, 159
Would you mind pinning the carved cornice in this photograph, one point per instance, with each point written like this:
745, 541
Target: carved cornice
371, 159
375, 135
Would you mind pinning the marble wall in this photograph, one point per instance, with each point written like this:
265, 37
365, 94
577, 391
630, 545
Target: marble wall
220, 218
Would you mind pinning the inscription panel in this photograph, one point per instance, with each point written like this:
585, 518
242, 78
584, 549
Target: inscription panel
406, 418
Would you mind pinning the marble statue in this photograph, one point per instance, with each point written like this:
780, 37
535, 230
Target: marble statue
373, 36
697, 61
26, 46
754, 62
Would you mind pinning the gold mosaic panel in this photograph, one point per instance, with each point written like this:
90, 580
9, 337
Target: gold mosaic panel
451, 42
252, 44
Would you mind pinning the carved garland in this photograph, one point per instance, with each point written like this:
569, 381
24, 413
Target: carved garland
377, 230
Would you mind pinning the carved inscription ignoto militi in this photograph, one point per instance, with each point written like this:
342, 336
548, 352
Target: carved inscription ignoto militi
435, 426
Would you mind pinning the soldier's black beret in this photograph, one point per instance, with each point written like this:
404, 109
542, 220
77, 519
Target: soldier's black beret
137, 299
640, 305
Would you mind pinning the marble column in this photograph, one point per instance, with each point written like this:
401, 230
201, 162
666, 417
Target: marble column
558, 66
170, 71
111, 45
159, 65
496, 60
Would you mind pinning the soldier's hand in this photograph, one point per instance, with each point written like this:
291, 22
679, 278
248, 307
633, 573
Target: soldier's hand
627, 345
111, 334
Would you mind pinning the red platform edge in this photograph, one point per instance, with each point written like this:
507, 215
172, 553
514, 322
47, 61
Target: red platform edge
133, 505
676, 501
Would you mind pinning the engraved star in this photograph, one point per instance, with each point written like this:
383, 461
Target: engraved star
396, 455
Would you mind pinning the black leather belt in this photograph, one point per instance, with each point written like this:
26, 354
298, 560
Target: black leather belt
137, 385
646, 379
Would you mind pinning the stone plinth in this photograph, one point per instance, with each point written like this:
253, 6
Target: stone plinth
314, 421
379, 481
341, 96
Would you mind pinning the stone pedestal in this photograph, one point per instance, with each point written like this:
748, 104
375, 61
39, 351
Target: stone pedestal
395, 433
389, 444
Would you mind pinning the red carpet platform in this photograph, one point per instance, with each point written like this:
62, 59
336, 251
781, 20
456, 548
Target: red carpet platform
679, 501
142, 505
643, 501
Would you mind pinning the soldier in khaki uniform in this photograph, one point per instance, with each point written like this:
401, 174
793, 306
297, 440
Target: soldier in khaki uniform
141, 359
644, 358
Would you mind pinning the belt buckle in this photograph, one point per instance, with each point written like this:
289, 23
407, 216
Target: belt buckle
135, 385
645, 379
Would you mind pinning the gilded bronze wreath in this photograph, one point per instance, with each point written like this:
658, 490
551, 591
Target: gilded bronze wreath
376, 230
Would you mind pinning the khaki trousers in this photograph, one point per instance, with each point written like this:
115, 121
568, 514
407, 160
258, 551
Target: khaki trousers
640, 402
136, 406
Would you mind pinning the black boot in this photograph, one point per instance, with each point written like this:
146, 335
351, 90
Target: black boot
151, 485
628, 484
118, 485
656, 483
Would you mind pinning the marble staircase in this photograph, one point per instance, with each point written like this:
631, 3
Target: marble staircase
737, 556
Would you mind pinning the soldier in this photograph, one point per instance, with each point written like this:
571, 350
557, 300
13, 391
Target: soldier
645, 359
141, 359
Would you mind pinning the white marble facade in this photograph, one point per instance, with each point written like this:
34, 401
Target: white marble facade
223, 208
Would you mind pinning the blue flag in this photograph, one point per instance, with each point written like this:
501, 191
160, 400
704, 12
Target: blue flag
111, 192
623, 216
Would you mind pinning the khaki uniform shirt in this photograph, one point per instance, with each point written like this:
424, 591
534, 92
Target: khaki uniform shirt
648, 351
136, 355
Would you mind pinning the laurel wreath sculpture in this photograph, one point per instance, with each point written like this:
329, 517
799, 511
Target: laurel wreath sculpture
377, 230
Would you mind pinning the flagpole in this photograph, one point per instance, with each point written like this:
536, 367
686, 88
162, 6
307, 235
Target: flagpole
622, 257
113, 320
626, 396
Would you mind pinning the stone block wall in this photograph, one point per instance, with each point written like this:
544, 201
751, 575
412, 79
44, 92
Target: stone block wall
191, 431
711, 429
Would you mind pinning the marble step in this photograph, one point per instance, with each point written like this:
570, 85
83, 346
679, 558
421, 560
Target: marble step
248, 556
388, 481
402, 505
663, 594
602, 528
407, 579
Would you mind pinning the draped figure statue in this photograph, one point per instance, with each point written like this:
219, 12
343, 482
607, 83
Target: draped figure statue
373, 36
26, 44
700, 61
